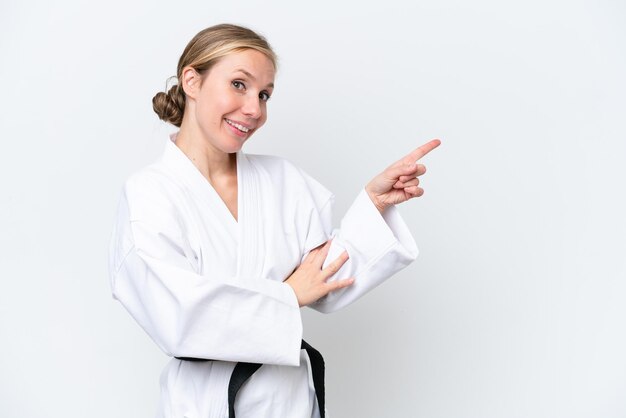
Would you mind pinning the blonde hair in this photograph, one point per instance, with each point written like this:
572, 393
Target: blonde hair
202, 53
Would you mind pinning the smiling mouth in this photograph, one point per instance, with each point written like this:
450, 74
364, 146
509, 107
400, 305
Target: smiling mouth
238, 126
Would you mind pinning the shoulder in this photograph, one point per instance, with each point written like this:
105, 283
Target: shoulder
272, 164
151, 192
291, 178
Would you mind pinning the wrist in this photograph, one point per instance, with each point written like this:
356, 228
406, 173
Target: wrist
293, 289
379, 206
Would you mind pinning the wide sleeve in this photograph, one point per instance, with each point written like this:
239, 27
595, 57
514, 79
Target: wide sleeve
192, 315
378, 245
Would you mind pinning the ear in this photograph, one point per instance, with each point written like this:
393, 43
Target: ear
192, 82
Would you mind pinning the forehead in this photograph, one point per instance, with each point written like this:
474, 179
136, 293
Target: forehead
249, 61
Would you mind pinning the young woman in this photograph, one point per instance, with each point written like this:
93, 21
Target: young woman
215, 251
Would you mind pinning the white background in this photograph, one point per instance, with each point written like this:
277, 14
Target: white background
516, 306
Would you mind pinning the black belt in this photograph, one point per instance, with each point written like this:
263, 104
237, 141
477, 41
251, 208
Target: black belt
243, 371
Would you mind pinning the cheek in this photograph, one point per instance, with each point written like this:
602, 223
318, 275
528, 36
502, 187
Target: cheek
263, 117
213, 111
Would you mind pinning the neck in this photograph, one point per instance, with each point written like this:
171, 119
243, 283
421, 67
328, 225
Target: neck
211, 162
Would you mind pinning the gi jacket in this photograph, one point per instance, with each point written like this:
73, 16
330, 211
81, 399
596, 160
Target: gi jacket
202, 284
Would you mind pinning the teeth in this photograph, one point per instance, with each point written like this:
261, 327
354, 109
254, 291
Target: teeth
236, 125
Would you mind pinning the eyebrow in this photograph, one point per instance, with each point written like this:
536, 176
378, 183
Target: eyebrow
253, 78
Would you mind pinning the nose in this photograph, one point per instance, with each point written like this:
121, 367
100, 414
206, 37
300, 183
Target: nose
252, 107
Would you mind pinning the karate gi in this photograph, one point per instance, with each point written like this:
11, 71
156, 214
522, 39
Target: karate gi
204, 285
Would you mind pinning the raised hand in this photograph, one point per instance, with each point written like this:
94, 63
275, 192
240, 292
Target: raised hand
309, 279
399, 182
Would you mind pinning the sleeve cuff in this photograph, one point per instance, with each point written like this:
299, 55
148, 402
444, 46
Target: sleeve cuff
371, 233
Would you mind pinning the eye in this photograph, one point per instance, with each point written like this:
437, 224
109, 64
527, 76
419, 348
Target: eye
238, 85
265, 96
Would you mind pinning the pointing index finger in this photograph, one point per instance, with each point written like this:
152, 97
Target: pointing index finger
421, 151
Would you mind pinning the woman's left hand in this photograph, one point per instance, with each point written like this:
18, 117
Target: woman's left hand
399, 182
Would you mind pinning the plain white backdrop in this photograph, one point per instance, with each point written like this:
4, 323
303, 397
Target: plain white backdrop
516, 305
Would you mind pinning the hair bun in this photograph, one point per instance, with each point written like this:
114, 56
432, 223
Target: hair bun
170, 106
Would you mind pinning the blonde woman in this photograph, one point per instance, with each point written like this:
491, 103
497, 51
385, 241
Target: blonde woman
214, 251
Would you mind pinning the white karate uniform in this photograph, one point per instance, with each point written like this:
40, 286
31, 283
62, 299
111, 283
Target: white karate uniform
204, 285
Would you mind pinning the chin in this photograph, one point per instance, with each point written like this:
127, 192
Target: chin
232, 147
232, 143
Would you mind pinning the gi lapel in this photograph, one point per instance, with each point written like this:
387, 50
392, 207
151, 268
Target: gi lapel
251, 254
184, 169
